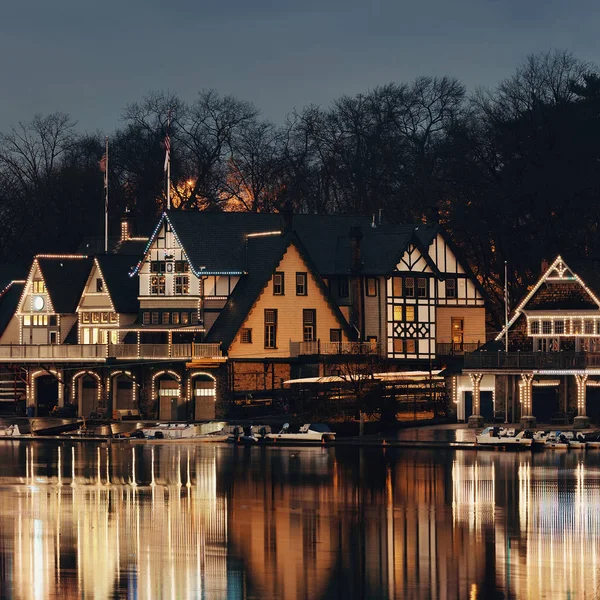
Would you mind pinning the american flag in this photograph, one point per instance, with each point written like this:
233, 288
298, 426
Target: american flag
102, 163
167, 150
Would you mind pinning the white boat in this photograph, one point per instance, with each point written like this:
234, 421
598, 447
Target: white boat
10, 431
576, 440
539, 438
499, 437
315, 433
178, 431
557, 440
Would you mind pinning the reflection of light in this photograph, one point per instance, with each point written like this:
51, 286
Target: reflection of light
117, 533
473, 486
473, 594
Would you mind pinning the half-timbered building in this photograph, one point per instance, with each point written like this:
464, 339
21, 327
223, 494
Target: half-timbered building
224, 306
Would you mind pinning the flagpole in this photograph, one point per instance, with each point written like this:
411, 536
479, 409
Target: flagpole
106, 200
168, 149
506, 306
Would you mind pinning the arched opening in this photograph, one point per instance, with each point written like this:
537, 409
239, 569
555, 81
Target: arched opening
203, 396
46, 394
167, 390
86, 393
123, 391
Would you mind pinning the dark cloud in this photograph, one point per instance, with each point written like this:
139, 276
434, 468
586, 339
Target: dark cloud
90, 60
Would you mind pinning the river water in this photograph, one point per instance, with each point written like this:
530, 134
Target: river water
160, 520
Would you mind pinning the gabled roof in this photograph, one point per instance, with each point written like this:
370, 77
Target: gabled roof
560, 271
122, 288
65, 278
9, 300
263, 256
10, 273
214, 243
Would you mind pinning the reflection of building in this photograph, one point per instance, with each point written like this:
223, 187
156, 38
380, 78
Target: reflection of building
156, 529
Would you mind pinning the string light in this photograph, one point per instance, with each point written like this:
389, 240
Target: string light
560, 267
166, 372
525, 392
36, 374
197, 374
92, 374
581, 393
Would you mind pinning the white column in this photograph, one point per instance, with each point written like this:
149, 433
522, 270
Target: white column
476, 381
525, 392
581, 394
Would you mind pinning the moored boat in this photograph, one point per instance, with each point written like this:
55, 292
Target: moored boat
311, 433
557, 440
501, 438
10, 431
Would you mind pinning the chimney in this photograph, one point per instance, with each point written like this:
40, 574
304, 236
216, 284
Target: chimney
355, 238
288, 217
125, 226
545, 265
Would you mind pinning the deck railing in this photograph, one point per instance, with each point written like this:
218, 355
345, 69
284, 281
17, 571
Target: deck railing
329, 348
456, 348
102, 352
531, 360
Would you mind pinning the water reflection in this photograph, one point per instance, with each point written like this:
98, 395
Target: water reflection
169, 521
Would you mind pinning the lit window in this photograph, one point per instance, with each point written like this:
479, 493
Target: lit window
409, 287
104, 317
397, 313
182, 285
577, 326
410, 313
175, 318
278, 284
113, 317
39, 287
246, 335
95, 317
27, 321
165, 318
85, 317
157, 285
301, 284
185, 318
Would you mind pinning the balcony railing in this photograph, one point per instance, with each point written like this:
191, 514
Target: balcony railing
527, 361
456, 348
100, 352
312, 348
53, 352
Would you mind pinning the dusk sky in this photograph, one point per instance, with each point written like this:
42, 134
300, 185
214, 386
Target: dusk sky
91, 59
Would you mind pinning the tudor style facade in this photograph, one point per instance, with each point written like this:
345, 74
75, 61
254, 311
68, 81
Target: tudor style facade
225, 306
552, 367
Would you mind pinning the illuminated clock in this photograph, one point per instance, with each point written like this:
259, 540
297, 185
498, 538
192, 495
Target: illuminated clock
38, 303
